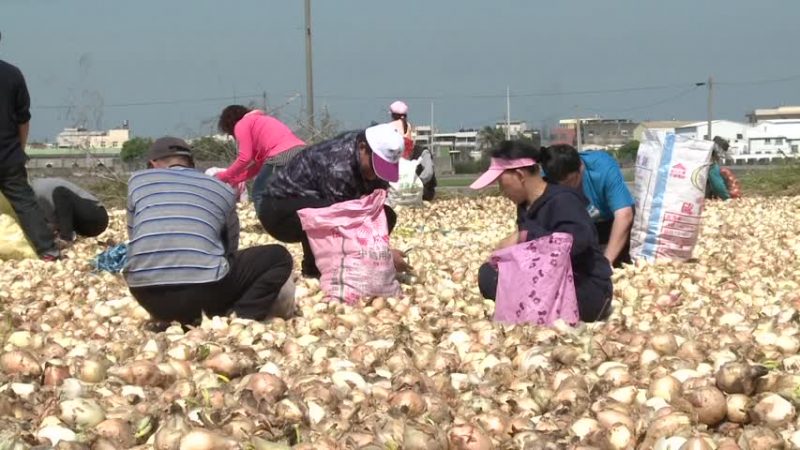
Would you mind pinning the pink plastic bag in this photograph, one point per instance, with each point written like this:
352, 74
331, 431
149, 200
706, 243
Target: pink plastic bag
350, 241
535, 283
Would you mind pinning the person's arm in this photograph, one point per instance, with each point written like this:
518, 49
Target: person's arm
619, 199
717, 183
231, 232
620, 233
245, 164
131, 211
24, 129
22, 111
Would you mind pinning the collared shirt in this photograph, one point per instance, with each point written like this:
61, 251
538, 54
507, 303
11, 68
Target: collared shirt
329, 170
182, 226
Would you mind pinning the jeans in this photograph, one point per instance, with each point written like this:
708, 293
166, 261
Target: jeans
249, 289
78, 215
260, 182
279, 217
15, 187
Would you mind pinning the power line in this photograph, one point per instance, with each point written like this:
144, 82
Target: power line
756, 82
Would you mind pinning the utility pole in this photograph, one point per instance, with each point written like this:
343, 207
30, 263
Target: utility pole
710, 105
710, 85
309, 76
508, 113
578, 137
264, 101
430, 136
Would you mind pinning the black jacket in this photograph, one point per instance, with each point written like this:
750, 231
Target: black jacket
14, 111
563, 209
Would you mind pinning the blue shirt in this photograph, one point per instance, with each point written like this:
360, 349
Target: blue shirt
604, 186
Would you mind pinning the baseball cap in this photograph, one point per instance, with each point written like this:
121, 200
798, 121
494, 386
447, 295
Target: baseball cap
398, 107
169, 146
387, 147
497, 167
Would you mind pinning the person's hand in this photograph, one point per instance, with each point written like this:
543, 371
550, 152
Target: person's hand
507, 242
399, 259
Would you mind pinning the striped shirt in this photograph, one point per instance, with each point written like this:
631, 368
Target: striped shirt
182, 226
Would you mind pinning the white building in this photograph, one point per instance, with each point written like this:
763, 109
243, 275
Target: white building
515, 127
83, 138
779, 113
774, 137
734, 132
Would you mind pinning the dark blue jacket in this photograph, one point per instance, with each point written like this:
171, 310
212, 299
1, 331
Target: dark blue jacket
563, 209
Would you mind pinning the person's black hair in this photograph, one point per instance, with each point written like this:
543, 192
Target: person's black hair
362, 137
230, 116
558, 161
518, 150
723, 143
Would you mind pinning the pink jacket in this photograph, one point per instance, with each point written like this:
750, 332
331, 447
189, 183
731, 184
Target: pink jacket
259, 137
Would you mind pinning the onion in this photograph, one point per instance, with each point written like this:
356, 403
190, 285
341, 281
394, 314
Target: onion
82, 413
205, 440
117, 431
709, 405
20, 362
773, 410
738, 408
739, 378
468, 437
665, 387
407, 403
139, 373
265, 387
55, 372
169, 434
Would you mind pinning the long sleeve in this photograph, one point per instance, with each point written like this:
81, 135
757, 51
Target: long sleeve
564, 217
245, 166
426, 162
231, 238
130, 216
718, 186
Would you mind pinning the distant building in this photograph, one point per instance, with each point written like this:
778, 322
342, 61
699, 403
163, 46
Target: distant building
563, 135
774, 137
733, 132
779, 113
83, 138
607, 133
515, 127
667, 125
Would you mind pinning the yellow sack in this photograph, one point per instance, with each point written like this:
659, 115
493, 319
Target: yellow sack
13, 243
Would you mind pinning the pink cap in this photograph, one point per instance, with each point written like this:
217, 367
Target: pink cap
398, 107
497, 167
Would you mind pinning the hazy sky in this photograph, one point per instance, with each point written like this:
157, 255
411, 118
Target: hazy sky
98, 62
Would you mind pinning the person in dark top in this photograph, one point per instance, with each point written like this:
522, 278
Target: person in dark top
542, 209
15, 119
347, 167
70, 210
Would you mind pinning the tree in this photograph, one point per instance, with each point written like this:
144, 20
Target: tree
326, 127
489, 138
208, 148
134, 149
627, 153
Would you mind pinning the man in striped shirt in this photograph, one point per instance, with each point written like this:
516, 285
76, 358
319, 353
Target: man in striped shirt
183, 257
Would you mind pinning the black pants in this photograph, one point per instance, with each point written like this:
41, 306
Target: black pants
15, 187
594, 299
279, 217
429, 189
249, 289
604, 234
75, 214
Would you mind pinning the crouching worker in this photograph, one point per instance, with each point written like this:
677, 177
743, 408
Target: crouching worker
69, 209
184, 235
347, 167
544, 209
610, 203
